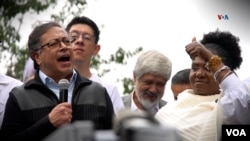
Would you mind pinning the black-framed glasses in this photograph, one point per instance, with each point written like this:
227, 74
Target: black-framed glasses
85, 36
56, 42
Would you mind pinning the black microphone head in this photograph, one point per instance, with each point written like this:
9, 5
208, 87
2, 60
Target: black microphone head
63, 84
126, 114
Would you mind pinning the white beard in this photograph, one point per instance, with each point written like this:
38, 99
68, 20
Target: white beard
147, 104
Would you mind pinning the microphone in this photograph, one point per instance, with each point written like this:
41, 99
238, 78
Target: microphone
63, 85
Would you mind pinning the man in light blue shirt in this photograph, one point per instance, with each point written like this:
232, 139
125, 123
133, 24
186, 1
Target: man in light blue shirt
34, 110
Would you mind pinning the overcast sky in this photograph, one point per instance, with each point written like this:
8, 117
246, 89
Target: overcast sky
165, 25
168, 25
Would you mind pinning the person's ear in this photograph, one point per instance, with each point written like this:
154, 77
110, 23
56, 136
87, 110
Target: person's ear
97, 49
37, 58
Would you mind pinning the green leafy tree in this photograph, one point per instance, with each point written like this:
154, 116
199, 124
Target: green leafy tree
14, 56
120, 57
12, 13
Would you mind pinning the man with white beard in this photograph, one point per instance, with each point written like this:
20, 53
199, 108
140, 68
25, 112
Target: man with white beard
151, 73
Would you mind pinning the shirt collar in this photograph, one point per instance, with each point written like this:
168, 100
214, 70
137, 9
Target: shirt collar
4, 79
133, 105
45, 79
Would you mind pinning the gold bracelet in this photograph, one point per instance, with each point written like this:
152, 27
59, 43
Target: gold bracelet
213, 63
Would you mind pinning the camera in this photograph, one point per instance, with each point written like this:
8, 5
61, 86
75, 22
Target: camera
128, 126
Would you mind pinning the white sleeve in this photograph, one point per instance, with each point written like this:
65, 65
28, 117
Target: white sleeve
115, 98
235, 101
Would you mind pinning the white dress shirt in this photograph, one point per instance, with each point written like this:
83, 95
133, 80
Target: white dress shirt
235, 101
112, 91
6, 85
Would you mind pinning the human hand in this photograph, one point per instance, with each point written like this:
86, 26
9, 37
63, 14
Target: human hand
195, 49
61, 114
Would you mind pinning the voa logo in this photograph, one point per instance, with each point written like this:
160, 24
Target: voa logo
236, 132
222, 17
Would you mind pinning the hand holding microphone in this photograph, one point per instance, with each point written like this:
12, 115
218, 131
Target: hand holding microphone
62, 113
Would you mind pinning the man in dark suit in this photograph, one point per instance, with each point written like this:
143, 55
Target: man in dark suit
34, 110
151, 73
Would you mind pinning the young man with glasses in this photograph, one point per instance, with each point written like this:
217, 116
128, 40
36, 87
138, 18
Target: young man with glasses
86, 35
33, 110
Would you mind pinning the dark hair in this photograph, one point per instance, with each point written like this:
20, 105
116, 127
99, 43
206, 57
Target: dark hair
34, 41
87, 21
181, 77
226, 45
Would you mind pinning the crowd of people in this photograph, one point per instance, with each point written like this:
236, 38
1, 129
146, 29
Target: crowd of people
207, 95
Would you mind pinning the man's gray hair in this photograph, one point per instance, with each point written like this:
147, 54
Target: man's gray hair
153, 62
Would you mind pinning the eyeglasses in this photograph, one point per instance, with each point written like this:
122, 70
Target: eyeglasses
56, 42
85, 36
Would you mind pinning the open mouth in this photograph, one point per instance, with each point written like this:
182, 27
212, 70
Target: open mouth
64, 59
